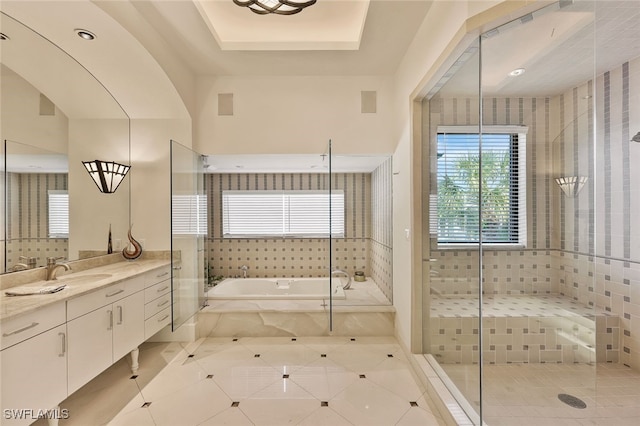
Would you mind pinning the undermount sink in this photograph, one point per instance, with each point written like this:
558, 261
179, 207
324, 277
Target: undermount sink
67, 279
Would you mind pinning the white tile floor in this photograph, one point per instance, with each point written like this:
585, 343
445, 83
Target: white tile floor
527, 394
259, 381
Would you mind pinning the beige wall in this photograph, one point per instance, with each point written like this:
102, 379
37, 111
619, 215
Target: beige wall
21, 119
151, 178
293, 114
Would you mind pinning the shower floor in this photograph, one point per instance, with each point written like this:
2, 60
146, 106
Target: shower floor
527, 394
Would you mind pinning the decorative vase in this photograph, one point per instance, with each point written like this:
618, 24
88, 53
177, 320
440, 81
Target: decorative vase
137, 248
109, 245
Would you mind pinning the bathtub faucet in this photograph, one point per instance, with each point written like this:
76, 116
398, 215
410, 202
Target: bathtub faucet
339, 271
244, 269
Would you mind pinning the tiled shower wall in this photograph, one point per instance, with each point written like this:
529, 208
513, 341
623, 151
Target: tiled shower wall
27, 220
586, 248
382, 228
305, 257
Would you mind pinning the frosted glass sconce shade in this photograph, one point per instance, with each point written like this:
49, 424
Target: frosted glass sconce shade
571, 185
107, 175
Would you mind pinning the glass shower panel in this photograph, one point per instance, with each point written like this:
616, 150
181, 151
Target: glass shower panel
609, 280
451, 250
538, 229
188, 231
362, 239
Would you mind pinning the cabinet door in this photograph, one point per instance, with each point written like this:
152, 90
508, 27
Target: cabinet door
128, 330
90, 346
34, 376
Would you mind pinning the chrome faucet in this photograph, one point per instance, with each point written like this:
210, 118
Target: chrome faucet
244, 269
340, 271
52, 267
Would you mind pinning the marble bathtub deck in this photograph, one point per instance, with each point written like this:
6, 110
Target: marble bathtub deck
364, 312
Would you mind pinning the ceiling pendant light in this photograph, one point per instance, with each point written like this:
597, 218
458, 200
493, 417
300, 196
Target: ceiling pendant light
278, 7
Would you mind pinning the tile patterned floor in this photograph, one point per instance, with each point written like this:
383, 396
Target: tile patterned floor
527, 394
258, 381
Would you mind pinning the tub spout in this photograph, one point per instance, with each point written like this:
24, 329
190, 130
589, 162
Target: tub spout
339, 271
245, 270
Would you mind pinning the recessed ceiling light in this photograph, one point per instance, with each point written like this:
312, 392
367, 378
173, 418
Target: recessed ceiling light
85, 34
3, 36
517, 72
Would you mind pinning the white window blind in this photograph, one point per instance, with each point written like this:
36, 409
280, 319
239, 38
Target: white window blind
282, 213
189, 214
58, 213
502, 185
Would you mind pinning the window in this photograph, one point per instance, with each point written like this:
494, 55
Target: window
458, 184
189, 214
58, 213
282, 213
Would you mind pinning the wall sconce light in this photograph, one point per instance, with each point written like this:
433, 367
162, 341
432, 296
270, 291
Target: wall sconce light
571, 185
106, 174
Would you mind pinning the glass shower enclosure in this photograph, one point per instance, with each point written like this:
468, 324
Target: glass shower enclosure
530, 260
188, 230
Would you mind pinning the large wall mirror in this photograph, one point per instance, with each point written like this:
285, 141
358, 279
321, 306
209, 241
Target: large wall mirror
54, 115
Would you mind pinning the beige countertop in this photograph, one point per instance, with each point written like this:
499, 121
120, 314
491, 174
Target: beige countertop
78, 283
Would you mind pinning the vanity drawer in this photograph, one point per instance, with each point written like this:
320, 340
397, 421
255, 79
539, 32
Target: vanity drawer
28, 325
103, 296
155, 306
157, 275
157, 322
157, 290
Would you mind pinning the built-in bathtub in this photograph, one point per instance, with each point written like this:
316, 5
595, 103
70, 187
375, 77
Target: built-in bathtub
277, 288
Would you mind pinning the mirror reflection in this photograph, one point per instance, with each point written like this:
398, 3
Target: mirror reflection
55, 115
37, 205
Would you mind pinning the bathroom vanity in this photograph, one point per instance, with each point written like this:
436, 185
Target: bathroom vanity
53, 344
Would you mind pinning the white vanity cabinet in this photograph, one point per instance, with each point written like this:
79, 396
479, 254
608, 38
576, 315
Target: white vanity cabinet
33, 364
157, 296
102, 327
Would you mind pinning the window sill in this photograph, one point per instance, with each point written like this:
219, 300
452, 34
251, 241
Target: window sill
487, 246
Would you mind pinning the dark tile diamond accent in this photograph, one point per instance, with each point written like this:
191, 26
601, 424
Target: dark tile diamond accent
293, 339
324, 403
146, 404
133, 377
191, 356
235, 340
323, 355
353, 339
285, 376
389, 355
235, 403
362, 376
413, 403
256, 356
210, 376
